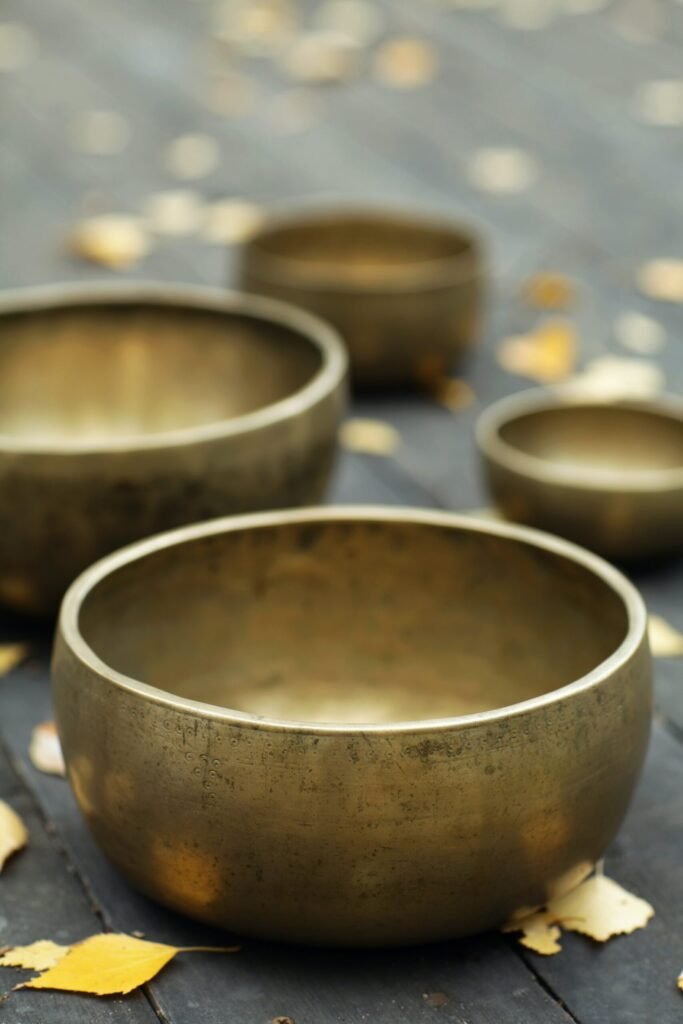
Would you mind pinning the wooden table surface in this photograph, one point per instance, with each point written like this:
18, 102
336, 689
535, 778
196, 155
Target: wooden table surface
608, 195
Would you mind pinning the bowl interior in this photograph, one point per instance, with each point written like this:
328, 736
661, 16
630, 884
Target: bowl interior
354, 621
600, 437
120, 369
358, 248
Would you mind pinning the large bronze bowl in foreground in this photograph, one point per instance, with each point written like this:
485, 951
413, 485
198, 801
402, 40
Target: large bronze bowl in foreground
129, 410
354, 727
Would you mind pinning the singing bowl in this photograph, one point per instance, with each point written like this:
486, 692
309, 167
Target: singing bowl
125, 411
606, 474
353, 727
403, 289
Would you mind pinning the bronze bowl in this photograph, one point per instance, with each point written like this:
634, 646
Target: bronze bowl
403, 289
605, 474
354, 727
128, 410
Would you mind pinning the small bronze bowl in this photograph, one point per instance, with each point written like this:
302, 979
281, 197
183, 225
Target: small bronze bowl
128, 410
404, 290
606, 474
353, 727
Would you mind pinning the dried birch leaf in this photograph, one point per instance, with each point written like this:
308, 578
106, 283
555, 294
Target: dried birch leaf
406, 63
192, 156
640, 334
13, 833
660, 102
547, 355
231, 221
114, 240
45, 750
665, 640
549, 291
502, 170
105, 965
39, 956
539, 932
322, 57
372, 437
11, 655
601, 909
611, 377
175, 212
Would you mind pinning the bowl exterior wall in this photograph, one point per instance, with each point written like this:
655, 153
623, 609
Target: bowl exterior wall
383, 837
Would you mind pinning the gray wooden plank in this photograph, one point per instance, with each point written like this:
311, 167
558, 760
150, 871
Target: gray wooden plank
41, 897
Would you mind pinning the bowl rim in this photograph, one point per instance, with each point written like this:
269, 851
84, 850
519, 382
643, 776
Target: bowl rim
507, 410
411, 276
320, 335
71, 636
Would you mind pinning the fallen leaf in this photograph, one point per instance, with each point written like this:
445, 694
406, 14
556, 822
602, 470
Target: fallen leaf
660, 102
665, 640
599, 908
192, 156
111, 964
640, 334
662, 279
502, 170
372, 437
406, 62
610, 377
322, 57
539, 932
549, 291
453, 393
13, 833
547, 355
100, 132
231, 221
38, 956
17, 46
10, 656
174, 212
45, 750
114, 240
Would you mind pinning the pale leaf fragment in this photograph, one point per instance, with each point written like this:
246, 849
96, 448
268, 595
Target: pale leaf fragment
13, 833
38, 956
231, 221
614, 377
406, 62
453, 393
662, 279
322, 57
114, 240
502, 170
10, 656
372, 437
192, 156
539, 932
660, 102
601, 909
174, 212
45, 750
111, 965
665, 640
548, 290
547, 355
638, 333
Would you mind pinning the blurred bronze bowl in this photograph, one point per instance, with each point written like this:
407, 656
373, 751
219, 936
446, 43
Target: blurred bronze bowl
606, 474
404, 290
353, 727
128, 410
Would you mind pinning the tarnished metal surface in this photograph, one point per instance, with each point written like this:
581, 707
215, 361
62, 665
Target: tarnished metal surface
403, 290
606, 474
128, 410
353, 726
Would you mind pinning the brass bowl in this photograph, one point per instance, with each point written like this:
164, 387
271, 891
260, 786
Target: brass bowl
128, 410
403, 290
353, 727
606, 474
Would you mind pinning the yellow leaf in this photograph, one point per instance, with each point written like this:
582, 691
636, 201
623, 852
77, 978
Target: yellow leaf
13, 833
372, 437
114, 240
10, 656
547, 355
665, 640
540, 933
549, 291
601, 909
38, 956
45, 750
106, 965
